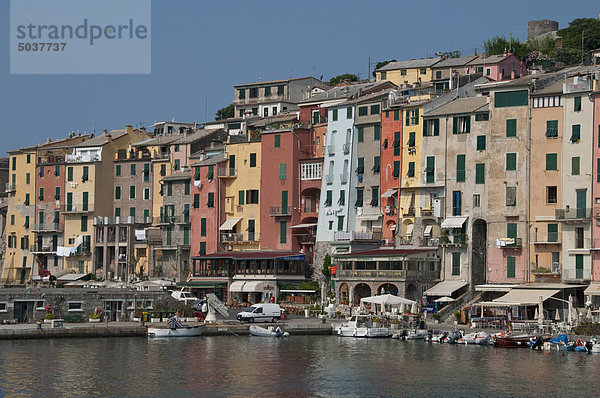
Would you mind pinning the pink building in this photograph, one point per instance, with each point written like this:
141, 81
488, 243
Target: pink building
596, 190
497, 67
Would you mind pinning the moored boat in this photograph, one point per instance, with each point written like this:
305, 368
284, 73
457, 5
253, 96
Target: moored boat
512, 341
480, 338
186, 331
268, 332
361, 326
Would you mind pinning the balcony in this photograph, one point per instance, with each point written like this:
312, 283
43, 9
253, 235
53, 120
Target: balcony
83, 158
280, 211
344, 178
584, 274
573, 213
346, 148
552, 239
388, 274
357, 236
40, 249
306, 239
410, 212
510, 243
426, 212
50, 227
331, 149
225, 172
329, 179
10, 187
578, 85
77, 209
164, 219
453, 240
233, 237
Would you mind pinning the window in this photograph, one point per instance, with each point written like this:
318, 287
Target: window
376, 164
402, 72
342, 199
480, 173
374, 109
69, 173
169, 188
253, 160
283, 171
576, 105
202, 248
240, 198
360, 169
265, 111
412, 117
203, 227
551, 161
396, 143
438, 74
57, 193
75, 306
552, 233
57, 170
251, 197
349, 112
340, 226
117, 192
280, 89
267, 91
552, 128
163, 170
41, 171
430, 170
422, 71
575, 133
255, 111
411, 139
510, 267
133, 169
26, 203
431, 127
329, 198
575, 165
334, 115
146, 215
511, 98
382, 75
488, 71
396, 114
117, 212
14, 163
186, 187
511, 127
84, 222
598, 170
241, 93
476, 200
375, 196
132, 192
460, 168
376, 132
132, 213
482, 117
456, 203
361, 134
579, 238
481, 141
511, 196
359, 197
511, 161
316, 117
479, 69
253, 92
196, 203
29, 156
411, 169
396, 171
27, 178
146, 193
211, 200
461, 124
211, 172
551, 194
277, 141
41, 197
363, 111
456, 263
146, 172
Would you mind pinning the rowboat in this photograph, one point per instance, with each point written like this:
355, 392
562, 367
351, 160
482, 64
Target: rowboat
513, 341
186, 331
270, 332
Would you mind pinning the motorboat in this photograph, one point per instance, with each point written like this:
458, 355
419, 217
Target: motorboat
361, 326
439, 338
185, 331
268, 332
453, 337
410, 335
508, 340
480, 338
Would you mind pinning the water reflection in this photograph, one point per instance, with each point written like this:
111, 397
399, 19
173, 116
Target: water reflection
309, 366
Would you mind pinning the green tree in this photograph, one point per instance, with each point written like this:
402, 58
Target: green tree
326, 265
581, 34
224, 113
497, 45
381, 64
334, 81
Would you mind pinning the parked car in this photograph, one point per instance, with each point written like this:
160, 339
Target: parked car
184, 296
260, 312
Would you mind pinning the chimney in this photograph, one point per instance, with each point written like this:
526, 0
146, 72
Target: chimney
129, 128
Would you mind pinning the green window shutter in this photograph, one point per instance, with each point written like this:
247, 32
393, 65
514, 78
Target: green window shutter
132, 192
396, 114
480, 173
132, 212
69, 174
146, 172
417, 116
376, 164
169, 188
329, 198
283, 171
511, 127
436, 127
551, 161
211, 199
240, 198
575, 165
577, 104
455, 125
283, 232
69, 201
146, 215
349, 112
84, 222
575, 133
85, 201
118, 211
552, 128
197, 200
211, 172
552, 232
456, 263
376, 132
133, 169
342, 200
360, 169
407, 117
579, 266
340, 226
396, 168
510, 267
57, 193
361, 134
203, 227
41, 197
118, 170
277, 141
202, 248
481, 142
186, 188
468, 128
425, 123
460, 168
511, 161
253, 160
598, 170
57, 170
411, 169
430, 170
284, 201
411, 139
334, 115
511, 231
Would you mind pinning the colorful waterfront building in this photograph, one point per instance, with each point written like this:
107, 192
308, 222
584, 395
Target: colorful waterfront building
497, 67
595, 243
390, 165
407, 72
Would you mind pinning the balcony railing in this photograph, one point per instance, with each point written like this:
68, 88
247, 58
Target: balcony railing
50, 227
355, 236
391, 274
10, 187
346, 148
44, 248
512, 243
83, 158
233, 237
453, 240
584, 274
280, 211
331, 149
344, 178
553, 238
77, 208
329, 179
426, 212
410, 212
225, 172
305, 239
572, 213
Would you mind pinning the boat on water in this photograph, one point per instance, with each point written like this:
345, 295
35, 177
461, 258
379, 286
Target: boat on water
361, 326
410, 335
480, 338
185, 331
268, 332
513, 340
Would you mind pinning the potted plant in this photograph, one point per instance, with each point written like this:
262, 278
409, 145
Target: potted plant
49, 317
95, 315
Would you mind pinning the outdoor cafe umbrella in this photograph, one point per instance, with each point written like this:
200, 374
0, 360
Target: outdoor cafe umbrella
557, 316
588, 315
537, 314
570, 309
402, 308
413, 308
541, 309
444, 299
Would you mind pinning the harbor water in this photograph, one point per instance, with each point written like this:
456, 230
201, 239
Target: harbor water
222, 366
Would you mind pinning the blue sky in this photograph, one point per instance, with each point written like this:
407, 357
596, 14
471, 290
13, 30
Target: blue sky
200, 49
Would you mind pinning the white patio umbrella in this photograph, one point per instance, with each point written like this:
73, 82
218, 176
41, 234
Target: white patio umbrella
537, 314
444, 299
557, 316
588, 315
402, 308
541, 309
570, 309
413, 308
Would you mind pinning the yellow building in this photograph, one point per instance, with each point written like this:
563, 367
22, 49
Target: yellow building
89, 193
241, 228
407, 72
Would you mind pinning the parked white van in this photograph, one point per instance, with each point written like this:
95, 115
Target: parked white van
260, 312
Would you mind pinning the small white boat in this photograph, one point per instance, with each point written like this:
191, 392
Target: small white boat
186, 331
475, 338
268, 332
361, 326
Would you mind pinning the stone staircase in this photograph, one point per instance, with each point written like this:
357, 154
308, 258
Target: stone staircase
466, 299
